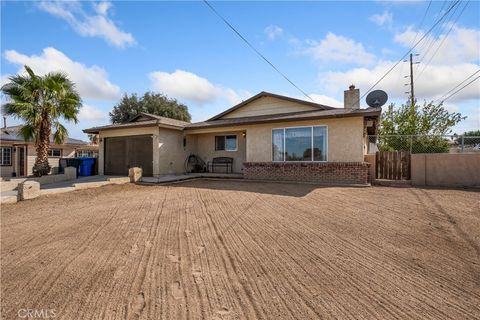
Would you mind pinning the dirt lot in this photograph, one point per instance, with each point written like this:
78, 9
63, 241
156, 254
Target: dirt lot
243, 250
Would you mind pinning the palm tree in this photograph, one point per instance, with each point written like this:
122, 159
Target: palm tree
41, 101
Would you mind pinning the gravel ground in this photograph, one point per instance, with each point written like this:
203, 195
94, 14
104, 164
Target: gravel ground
241, 250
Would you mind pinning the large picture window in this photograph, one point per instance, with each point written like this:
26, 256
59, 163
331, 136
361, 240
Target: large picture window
299, 144
226, 143
5, 156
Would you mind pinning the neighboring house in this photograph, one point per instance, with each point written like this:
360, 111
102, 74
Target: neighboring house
269, 136
17, 156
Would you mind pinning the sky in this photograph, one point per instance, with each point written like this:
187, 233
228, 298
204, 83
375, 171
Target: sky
184, 50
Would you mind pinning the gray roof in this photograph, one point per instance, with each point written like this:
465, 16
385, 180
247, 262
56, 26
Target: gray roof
13, 134
143, 120
284, 117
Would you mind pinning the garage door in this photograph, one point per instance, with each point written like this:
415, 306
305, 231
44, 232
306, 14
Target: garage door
122, 153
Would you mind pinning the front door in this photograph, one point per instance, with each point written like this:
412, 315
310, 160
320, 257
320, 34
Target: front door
21, 161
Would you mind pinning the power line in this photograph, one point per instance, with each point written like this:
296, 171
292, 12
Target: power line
460, 89
458, 85
256, 51
435, 36
421, 23
410, 50
427, 43
443, 40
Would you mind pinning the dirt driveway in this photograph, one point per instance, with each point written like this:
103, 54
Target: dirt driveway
243, 250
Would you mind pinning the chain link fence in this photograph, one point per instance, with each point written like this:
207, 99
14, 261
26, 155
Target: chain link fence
423, 143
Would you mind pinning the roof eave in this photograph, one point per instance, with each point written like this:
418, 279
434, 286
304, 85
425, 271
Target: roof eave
346, 115
140, 125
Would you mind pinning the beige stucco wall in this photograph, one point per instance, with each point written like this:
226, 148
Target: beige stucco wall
439, 169
172, 153
205, 148
345, 138
370, 158
267, 105
168, 151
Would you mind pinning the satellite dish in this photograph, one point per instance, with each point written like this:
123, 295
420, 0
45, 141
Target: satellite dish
376, 98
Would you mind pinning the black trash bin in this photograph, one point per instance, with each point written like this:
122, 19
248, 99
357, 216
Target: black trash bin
70, 162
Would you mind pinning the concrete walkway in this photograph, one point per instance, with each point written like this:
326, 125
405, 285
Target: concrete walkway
189, 176
67, 186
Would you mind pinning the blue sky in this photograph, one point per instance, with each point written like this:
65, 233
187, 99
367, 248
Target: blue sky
185, 51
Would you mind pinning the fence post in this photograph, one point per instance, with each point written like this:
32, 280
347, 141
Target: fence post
411, 144
463, 145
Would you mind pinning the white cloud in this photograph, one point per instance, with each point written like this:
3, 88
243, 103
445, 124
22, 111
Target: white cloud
384, 19
322, 99
4, 79
435, 81
335, 48
89, 25
462, 44
89, 113
189, 86
273, 31
91, 82
454, 61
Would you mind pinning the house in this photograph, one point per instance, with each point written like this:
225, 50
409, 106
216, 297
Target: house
269, 136
17, 156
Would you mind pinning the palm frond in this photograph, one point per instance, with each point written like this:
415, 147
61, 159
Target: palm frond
61, 133
28, 133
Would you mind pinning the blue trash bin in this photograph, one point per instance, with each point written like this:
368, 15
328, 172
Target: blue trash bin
86, 166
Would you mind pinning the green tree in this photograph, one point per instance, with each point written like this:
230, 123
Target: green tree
417, 128
41, 101
154, 103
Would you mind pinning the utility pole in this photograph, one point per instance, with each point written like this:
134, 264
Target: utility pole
412, 93
412, 90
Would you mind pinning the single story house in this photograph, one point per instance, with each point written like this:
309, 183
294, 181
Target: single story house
17, 156
269, 137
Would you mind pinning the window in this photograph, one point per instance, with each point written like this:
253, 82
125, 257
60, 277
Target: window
296, 144
5, 156
86, 154
54, 153
226, 143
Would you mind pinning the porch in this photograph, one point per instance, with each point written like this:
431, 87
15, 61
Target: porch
208, 146
190, 176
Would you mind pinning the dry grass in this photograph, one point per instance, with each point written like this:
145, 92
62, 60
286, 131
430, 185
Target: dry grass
238, 250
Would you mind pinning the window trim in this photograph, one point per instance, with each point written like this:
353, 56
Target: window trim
225, 143
52, 156
297, 127
11, 158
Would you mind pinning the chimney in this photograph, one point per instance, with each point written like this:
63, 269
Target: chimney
351, 98
4, 122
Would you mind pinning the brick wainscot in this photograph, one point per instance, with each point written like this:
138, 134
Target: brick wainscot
317, 172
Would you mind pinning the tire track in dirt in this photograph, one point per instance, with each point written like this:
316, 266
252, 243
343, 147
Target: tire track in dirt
426, 294
127, 227
52, 277
249, 307
136, 287
295, 252
285, 249
258, 266
44, 285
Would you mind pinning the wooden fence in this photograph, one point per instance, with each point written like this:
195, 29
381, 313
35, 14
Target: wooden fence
392, 165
